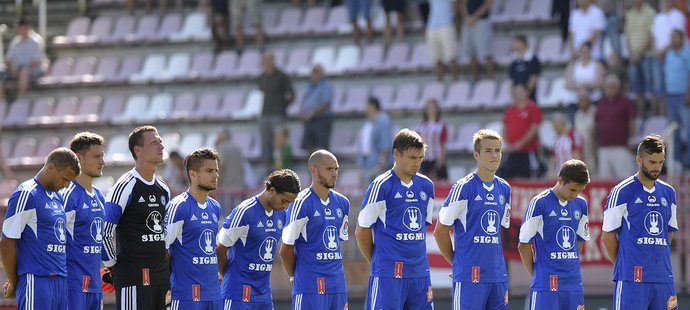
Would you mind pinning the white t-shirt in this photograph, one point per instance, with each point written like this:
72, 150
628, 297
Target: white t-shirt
663, 25
583, 23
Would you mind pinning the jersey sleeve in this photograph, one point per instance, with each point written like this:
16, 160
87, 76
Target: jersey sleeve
583, 225
297, 217
673, 221
174, 222
533, 222
115, 202
616, 208
69, 204
21, 212
505, 222
344, 228
430, 205
235, 227
455, 206
373, 204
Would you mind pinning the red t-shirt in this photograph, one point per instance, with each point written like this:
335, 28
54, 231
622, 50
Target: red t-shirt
517, 121
613, 121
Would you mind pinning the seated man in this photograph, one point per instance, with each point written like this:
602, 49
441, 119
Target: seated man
23, 60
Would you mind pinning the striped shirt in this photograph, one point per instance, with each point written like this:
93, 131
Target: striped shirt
435, 135
638, 24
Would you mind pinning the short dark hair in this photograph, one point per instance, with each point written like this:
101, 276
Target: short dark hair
136, 136
24, 21
82, 141
196, 159
574, 170
651, 144
374, 102
284, 181
588, 44
521, 38
63, 157
408, 139
175, 154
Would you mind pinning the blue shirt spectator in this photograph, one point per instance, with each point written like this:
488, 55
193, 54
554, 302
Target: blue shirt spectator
676, 70
316, 111
374, 147
440, 13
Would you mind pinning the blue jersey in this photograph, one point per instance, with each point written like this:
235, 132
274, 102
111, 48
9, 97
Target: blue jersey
191, 230
36, 217
477, 211
555, 227
316, 228
85, 228
251, 233
642, 218
397, 213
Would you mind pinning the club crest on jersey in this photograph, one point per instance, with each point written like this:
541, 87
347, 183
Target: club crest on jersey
152, 198
664, 202
279, 224
330, 235
96, 229
59, 230
215, 218
653, 223
412, 218
207, 242
490, 222
422, 195
577, 214
153, 222
565, 237
267, 248
501, 199
339, 213
163, 199
409, 194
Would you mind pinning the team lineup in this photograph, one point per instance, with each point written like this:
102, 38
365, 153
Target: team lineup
64, 243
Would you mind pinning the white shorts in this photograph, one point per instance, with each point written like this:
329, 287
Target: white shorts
442, 42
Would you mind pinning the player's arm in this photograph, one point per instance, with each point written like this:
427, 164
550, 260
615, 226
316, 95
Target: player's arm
611, 245
445, 245
116, 201
297, 218
670, 237
454, 209
232, 231
373, 205
19, 213
527, 256
287, 255
580, 245
365, 242
615, 210
222, 254
8, 247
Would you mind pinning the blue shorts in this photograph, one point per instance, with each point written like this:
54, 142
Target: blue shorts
230, 304
357, 7
319, 301
394, 293
556, 300
490, 296
45, 293
78, 300
634, 295
196, 305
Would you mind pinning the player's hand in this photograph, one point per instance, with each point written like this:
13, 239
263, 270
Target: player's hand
168, 298
9, 289
107, 280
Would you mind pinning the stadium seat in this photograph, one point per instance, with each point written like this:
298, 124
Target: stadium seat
547, 135
372, 58
433, 90
3, 108
337, 20
512, 11
89, 110
458, 96
17, 113
117, 150
183, 107
201, 67
60, 68
77, 30
190, 142
503, 98
195, 27
484, 92
6, 148
350, 182
42, 110
558, 94
314, 20
542, 90
298, 60
225, 65
343, 141
354, 100
133, 111
112, 106
288, 24
397, 56
171, 141
170, 24
463, 137
65, 110
208, 106
131, 65
106, 71
124, 26
252, 106
539, 11
496, 126
104, 184
43, 148
325, 56
83, 70
152, 68
407, 97
160, 108
23, 151
501, 49
420, 59
245, 139
100, 28
348, 58
249, 65
553, 50
279, 57
178, 66
384, 93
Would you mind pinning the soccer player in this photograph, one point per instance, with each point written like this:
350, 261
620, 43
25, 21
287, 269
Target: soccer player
477, 206
248, 241
34, 236
84, 205
191, 229
639, 222
317, 221
554, 220
391, 230
135, 209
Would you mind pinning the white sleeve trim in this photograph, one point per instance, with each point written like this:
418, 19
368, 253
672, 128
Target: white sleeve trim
530, 228
673, 221
430, 211
344, 233
506, 216
229, 236
173, 232
70, 217
613, 217
293, 230
583, 228
456, 210
15, 224
371, 213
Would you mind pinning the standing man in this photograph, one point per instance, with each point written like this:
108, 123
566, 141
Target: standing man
476, 35
586, 24
615, 125
278, 94
476, 207
316, 111
135, 209
83, 204
33, 236
521, 128
191, 227
554, 220
23, 59
391, 230
248, 241
373, 146
639, 222
317, 222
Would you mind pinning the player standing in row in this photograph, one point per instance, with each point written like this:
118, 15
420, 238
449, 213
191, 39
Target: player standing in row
191, 228
317, 221
135, 209
391, 230
477, 206
639, 222
248, 241
84, 205
34, 236
554, 220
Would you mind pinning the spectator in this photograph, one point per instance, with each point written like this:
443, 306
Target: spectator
567, 145
585, 72
434, 131
586, 24
175, 174
638, 26
584, 125
477, 35
521, 132
662, 27
374, 146
397, 6
316, 111
613, 23
676, 74
363, 7
442, 38
525, 68
23, 60
561, 9
220, 21
4, 167
282, 158
232, 172
162, 5
424, 6
238, 15
615, 126
278, 94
